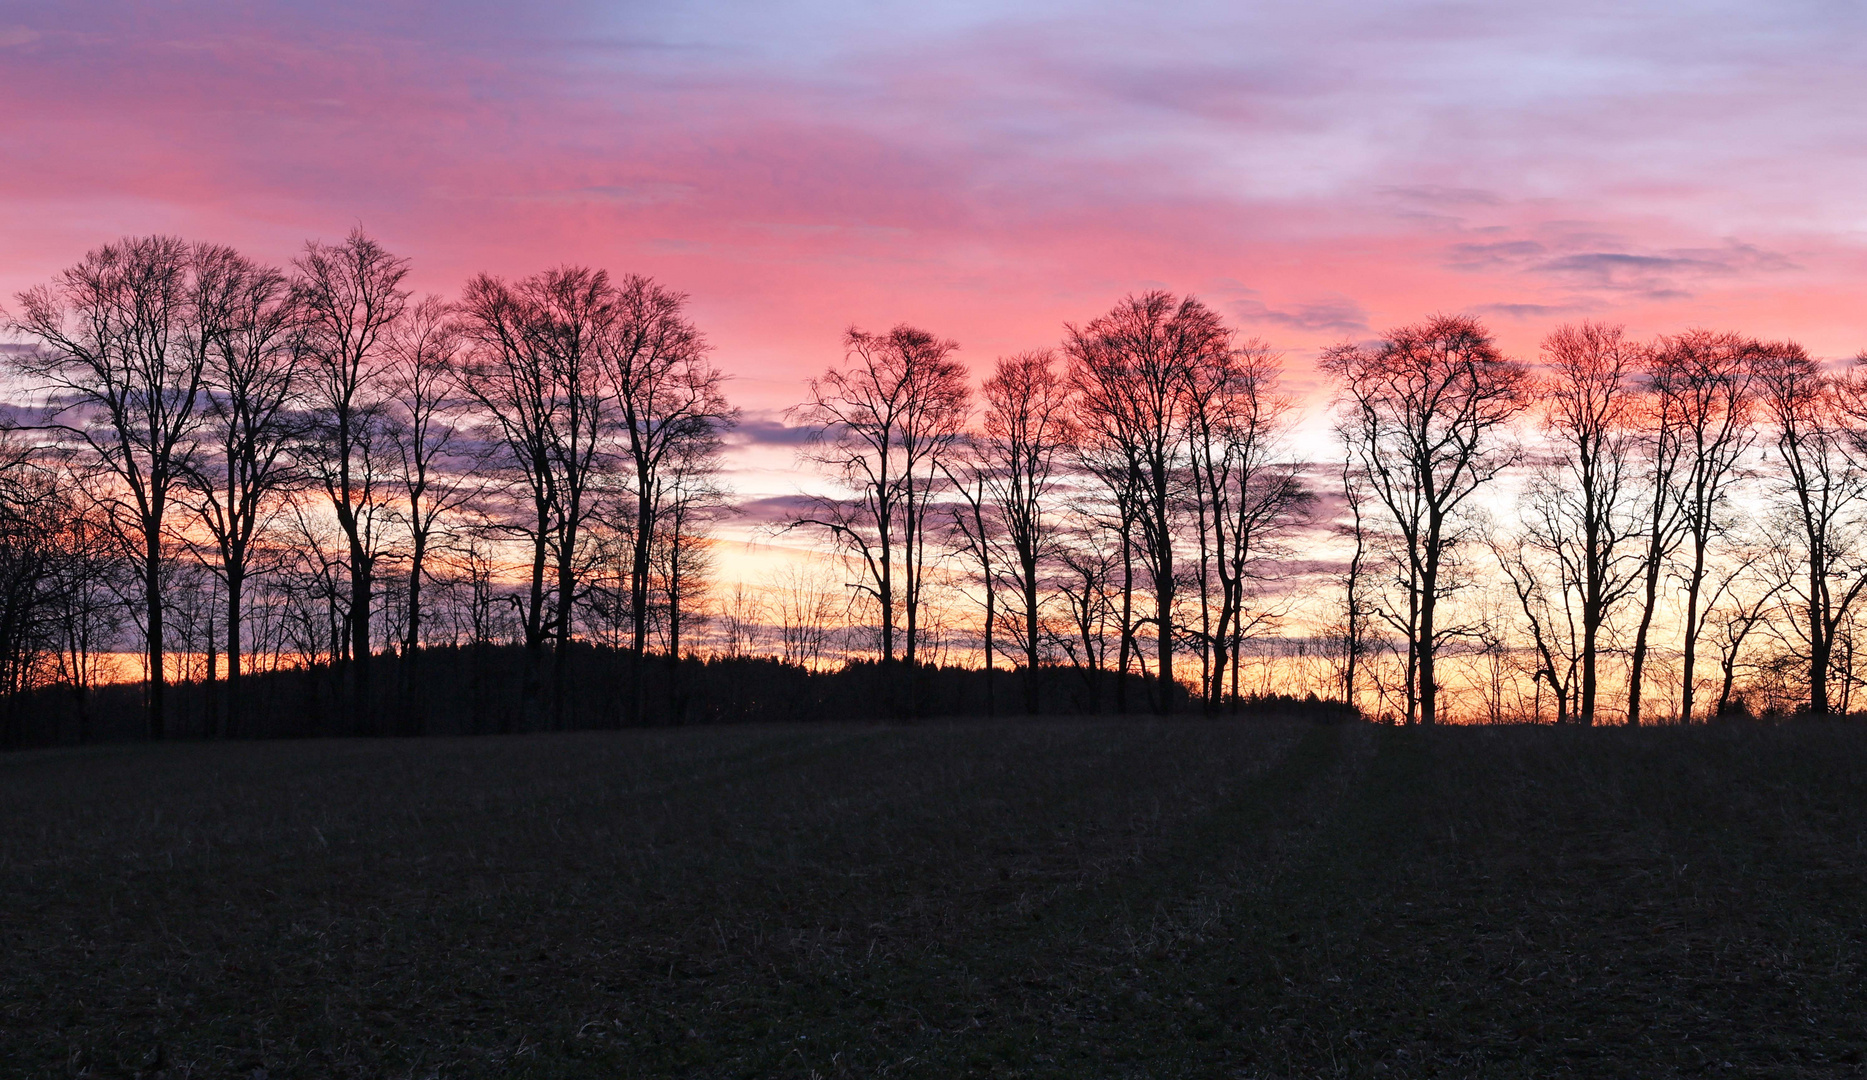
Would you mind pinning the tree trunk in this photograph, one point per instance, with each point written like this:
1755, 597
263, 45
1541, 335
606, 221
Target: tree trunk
533, 686
560, 651
1821, 651
414, 708
1126, 649
1429, 608
1639, 659
1689, 662
152, 592
1352, 646
887, 598
1231, 612
1030, 637
639, 557
411, 640
1163, 610
1692, 639
677, 702
363, 714
236, 587
1413, 645
911, 532
560, 659
1209, 649
210, 715
1591, 630
990, 614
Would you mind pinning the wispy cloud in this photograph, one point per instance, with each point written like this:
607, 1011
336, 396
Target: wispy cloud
769, 432
1503, 253
774, 511
1337, 314
1530, 311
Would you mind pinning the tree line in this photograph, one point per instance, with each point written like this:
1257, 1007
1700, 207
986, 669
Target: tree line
244, 468
1130, 501
213, 421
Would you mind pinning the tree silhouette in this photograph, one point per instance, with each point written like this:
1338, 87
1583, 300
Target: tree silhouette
349, 295
126, 337
1424, 414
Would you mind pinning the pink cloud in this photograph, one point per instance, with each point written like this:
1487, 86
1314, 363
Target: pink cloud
1320, 173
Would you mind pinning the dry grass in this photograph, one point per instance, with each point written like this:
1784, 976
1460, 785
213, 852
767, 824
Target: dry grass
1031, 899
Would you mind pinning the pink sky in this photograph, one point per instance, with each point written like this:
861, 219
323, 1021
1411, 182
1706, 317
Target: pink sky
1320, 171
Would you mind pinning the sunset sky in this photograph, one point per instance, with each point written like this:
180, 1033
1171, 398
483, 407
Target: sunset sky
1320, 170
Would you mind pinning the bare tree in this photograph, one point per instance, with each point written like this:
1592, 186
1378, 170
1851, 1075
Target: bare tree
1501, 662
1247, 493
469, 581
975, 530
36, 569
807, 612
742, 622
87, 596
1128, 372
1822, 491
316, 587
1537, 565
605, 590
1027, 428
436, 466
1661, 444
251, 386
126, 337
691, 501
883, 421
540, 378
1088, 557
1099, 556
671, 410
932, 423
1424, 415
1352, 630
1580, 507
349, 295
1708, 377
1748, 590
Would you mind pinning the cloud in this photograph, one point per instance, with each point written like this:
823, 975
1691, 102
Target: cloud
1581, 266
1337, 314
644, 193
767, 432
20, 416
1530, 311
1503, 253
1437, 195
775, 510
1605, 264
1666, 275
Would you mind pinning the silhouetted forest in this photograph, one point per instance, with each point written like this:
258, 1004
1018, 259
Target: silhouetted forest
468, 690
310, 501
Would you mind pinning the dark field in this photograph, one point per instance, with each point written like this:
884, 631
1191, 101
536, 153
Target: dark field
1058, 899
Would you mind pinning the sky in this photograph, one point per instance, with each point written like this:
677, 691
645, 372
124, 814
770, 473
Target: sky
1319, 171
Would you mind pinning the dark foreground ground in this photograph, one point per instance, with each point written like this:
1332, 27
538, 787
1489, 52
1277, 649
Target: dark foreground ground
1060, 899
